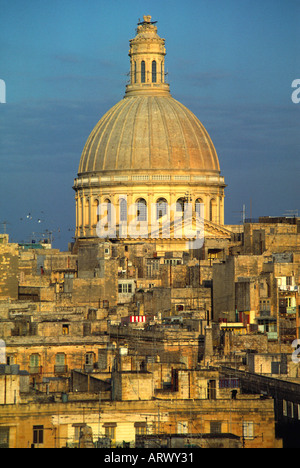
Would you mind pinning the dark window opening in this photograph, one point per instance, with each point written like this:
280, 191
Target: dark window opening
143, 72
154, 72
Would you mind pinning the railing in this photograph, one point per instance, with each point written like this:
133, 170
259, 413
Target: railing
272, 336
60, 369
33, 370
252, 220
289, 288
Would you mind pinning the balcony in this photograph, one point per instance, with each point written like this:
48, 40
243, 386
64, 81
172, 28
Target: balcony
284, 310
60, 369
34, 370
272, 336
286, 287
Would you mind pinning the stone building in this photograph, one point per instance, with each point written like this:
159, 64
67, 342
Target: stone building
261, 289
63, 419
51, 424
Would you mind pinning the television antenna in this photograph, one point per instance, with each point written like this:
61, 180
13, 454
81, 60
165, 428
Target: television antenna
4, 226
291, 213
243, 213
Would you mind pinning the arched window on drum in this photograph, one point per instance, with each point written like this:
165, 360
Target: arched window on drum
143, 71
161, 208
141, 209
154, 79
134, 72
87, 212
180, 205
95, 212
199, 207
123, 210
107, 208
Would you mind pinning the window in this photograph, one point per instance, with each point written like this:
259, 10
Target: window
124, 288
65, 329
86, 212
284, 408
34, 360
38, 434
141, 209
89, 359
10, 359
143, 71
199, 207
211, 390
248, 429
34, 364
152, 267
161, 208
140, 428
108, 210
154, 71
60, 361
77, 432
110, 432
123, 209
172, 261
96, 215
135, 72
180, 205
292, 413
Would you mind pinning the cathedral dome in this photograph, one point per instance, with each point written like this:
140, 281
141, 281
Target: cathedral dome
149, 133
147, 150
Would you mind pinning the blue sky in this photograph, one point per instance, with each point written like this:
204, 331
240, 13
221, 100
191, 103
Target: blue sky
65, 63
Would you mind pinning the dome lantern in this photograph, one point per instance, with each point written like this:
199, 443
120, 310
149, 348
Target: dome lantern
147, 61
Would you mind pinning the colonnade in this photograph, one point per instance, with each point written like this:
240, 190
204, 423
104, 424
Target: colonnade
142, 207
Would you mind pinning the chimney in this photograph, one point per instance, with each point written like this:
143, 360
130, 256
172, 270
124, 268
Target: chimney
208, 345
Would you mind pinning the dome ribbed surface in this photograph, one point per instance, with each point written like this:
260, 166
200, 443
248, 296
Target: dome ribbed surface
149, 133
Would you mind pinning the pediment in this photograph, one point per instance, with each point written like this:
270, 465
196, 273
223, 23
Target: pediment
190, 229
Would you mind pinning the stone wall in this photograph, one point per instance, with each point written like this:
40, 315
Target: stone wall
131, 386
